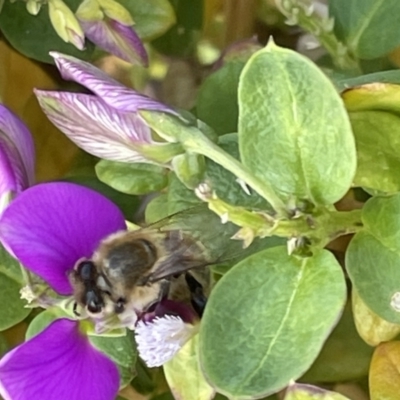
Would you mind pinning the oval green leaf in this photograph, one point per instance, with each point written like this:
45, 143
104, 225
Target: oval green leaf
129, 178
294, 131
368, 27
267, 319
373, 257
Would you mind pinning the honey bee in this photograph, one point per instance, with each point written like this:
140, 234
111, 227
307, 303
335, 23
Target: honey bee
136, 269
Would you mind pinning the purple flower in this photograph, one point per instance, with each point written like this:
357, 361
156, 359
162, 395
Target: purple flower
49, 227
58, 363
108, 24
105, 123
17, 156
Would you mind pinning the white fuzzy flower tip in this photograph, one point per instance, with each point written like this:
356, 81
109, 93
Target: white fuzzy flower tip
159, 340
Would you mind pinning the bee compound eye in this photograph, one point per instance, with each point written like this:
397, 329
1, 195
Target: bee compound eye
87, 270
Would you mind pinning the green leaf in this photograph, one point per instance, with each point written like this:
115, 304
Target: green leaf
137, 178
294, 131
152, 17
368, 27
217, 100
34, 36
184, 376
377, 135
384, 376
10, 286
392, 76
373, 257
179, 196
157, 209
42, 321
267, 319
375, 117
181, 39
344, 356
307, 392
122, 350
225, 184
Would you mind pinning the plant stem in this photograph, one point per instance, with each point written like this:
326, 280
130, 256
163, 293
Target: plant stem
195, 141
301, 12
202, 145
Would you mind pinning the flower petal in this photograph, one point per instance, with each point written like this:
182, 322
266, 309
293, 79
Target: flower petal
110, 91
17, 154
50, 226
96, 127
116, 38
58, 363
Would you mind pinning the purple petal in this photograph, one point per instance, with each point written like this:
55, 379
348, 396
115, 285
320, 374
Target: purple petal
111, 91
96, 127
116, 38
58, 363
50, 226
17, 154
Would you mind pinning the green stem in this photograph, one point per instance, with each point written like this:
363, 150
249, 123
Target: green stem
201, 145
328, 225
193, 140
300, 12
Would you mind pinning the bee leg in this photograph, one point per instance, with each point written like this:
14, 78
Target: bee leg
197, 296
75, 309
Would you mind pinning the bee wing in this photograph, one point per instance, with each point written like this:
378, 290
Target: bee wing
171, 267
204, 227
183, 255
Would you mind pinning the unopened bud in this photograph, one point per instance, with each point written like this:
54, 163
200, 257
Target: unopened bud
116, 11
33, 6
65, 24
89, 10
